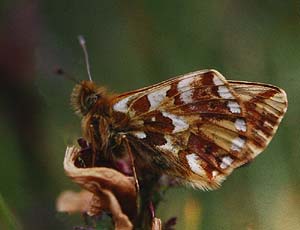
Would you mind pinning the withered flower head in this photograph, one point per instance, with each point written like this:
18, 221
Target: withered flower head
105, 189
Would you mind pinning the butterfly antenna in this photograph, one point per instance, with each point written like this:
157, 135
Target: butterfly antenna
60, 71
86, 56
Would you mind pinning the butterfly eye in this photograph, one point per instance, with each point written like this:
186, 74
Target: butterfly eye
91, 100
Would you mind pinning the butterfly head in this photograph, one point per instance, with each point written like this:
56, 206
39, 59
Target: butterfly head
85, 96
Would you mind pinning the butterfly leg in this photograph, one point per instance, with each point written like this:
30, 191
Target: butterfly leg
137, 186
128, 149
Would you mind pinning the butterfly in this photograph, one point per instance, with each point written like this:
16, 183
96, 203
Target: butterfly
197, 127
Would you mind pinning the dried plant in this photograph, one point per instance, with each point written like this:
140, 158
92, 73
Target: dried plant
111, 190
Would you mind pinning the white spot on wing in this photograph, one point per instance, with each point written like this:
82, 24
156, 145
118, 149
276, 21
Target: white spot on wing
240, 125
193, 161
121, 106
184, 88
234, 107
169, 146
179, 123
237, 144
155, 98
140, 134
224, 92
186, 96
226, 162
215, 173
217, 81
184, 83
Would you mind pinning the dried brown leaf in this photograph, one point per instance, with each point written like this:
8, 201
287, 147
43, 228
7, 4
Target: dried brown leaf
156, 224
111, 190
121, 221
69, 201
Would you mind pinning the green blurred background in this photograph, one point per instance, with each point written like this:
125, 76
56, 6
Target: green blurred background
134, 44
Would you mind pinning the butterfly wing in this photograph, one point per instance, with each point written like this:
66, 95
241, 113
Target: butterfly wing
199, 127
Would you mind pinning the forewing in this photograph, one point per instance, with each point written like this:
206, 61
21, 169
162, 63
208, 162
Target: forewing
145, 100
203, 126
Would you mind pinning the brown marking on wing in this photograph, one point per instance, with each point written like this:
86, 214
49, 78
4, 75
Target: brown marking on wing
141, 105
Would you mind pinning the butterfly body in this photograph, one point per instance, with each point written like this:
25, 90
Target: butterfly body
198, 127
